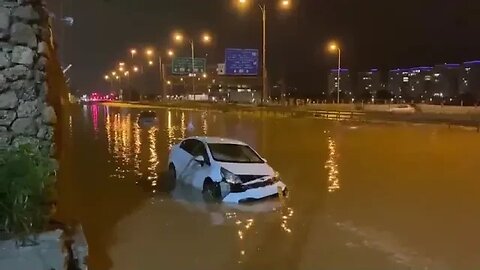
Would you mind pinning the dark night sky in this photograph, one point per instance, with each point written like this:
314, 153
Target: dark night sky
373, 33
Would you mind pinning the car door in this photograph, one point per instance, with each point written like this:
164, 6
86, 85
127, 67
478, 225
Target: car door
182, 156
195, 172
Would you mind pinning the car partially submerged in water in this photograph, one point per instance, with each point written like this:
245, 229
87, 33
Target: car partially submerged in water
224, 169
402, 109
147, 118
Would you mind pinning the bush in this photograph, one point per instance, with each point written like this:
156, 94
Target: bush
26, 192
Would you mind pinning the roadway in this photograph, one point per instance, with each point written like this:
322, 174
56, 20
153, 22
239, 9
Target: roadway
363, 196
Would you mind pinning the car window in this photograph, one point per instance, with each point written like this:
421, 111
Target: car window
200, 150
195, 148
234, 153
188, 146
148, 114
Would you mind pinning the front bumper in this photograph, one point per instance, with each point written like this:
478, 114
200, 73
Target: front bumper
258, 193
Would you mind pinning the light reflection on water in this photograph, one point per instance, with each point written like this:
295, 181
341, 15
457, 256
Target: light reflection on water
183, 126
95, 119
332, 166
152, 168
142, 228
70, 126
170, 130
125, 146
204, 124
136, 149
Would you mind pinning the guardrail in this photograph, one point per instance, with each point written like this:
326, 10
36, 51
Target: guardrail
338, 115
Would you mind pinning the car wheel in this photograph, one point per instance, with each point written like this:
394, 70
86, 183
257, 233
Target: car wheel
211, 190
172, 173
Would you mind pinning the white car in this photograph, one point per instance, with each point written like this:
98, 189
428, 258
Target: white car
402, 109
224, 169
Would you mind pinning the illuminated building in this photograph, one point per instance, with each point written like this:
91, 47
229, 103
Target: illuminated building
345, 83
445, 82
420, 82
369, 82
469, 81
398, 82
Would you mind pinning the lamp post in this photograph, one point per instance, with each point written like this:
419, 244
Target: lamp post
108, 79
161, 69
205, 39
284, 4
335, 48
133, 52
149, 52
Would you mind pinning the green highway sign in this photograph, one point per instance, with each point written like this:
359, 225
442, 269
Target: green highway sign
183, 65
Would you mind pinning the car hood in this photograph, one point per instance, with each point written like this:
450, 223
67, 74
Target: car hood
262, 169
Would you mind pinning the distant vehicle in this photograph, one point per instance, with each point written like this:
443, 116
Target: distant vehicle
224, 170
147, 118
402, 109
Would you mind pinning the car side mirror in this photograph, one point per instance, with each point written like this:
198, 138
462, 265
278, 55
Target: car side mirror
200, 159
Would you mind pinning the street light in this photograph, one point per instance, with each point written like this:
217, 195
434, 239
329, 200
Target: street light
169, 82
263, 7
206, 38
333, 47
149, 52
121, 68
114, 73
285, 4
121, 64
133, 52
107, 78
178, 37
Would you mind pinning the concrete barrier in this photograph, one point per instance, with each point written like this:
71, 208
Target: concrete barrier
437, 109
378, 107
330, 107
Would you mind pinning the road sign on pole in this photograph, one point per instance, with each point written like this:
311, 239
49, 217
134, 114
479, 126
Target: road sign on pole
183, 65
241, 62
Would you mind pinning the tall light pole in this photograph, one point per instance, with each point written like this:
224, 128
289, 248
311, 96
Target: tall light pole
161, 67
285, 4
133, 52
108, 79
206, 39
265, 93
335, 48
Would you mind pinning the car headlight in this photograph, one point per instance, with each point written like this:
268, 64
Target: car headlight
230, 177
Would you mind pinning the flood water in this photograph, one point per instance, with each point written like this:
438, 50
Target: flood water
362, 196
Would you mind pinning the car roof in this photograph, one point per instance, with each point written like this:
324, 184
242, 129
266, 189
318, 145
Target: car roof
218, 140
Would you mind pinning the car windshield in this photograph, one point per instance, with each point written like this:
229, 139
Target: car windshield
148, 114
234, 153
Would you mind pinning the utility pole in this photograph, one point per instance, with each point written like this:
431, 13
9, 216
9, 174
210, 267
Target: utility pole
263, 8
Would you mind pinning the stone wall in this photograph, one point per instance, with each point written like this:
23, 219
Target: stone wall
26, 116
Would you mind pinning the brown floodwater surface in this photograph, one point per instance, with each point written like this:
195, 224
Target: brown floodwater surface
362, 196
